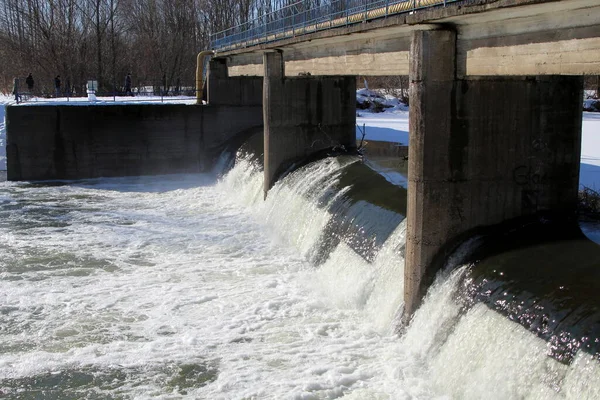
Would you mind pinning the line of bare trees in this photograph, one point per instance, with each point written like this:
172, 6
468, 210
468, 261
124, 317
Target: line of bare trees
105, 39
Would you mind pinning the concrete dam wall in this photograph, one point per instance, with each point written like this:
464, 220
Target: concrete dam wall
77, 142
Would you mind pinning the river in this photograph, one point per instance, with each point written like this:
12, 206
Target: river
192, 286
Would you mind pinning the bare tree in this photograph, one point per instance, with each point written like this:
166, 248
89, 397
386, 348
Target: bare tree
106, 39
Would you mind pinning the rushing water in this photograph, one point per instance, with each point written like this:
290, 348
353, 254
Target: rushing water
194, 287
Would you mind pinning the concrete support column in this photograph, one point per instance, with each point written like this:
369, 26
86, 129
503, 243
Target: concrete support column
223, 90
274, 75
431, 78
303, 116
482, 151
217, 71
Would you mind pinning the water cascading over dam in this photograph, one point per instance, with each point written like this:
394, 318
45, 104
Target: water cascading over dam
195, 286
518, 270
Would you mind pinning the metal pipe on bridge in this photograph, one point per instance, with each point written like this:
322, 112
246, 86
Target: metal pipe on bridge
201, 63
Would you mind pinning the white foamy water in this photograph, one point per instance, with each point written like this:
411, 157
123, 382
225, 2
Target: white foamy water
184, 287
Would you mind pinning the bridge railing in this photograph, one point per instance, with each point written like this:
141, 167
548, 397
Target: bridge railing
298, 19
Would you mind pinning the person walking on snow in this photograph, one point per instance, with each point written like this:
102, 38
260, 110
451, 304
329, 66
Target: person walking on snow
16, 90
128, 85
57, 85
29, 82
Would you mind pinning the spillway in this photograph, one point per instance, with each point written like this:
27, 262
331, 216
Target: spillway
195, 286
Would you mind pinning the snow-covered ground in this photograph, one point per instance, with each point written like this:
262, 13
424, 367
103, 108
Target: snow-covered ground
589, 174
390, 126
83, 101
3, 102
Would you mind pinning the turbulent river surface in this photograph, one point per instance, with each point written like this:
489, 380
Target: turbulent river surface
193, 286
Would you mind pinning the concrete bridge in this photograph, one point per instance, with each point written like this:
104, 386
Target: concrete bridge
496, 93
493, 37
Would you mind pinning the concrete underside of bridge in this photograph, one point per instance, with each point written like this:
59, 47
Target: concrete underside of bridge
493, 37
483, 150
489, 142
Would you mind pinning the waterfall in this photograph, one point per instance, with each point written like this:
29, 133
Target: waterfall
465, 348
196, 286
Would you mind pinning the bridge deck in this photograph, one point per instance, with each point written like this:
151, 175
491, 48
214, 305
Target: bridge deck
494, 37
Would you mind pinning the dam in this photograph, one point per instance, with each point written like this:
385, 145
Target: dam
263, 270
195, 286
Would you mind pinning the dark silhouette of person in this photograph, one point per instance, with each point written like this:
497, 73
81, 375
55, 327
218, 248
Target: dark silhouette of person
164, 83
16, 90
128, 85
29, 82
57, 85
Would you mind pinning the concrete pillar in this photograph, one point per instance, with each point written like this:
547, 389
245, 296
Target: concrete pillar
223, 90
482, 151
303, 116
217, 71
272, 89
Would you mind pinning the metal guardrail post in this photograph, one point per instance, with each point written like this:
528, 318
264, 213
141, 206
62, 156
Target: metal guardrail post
346, 11
304, 20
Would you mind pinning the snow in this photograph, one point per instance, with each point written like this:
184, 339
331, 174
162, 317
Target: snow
392, 126
108, 100
591, 105
390, 103
389, 126
4, 100
589, 173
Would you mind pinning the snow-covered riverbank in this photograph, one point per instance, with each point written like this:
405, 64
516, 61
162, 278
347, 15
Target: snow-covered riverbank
392, 126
